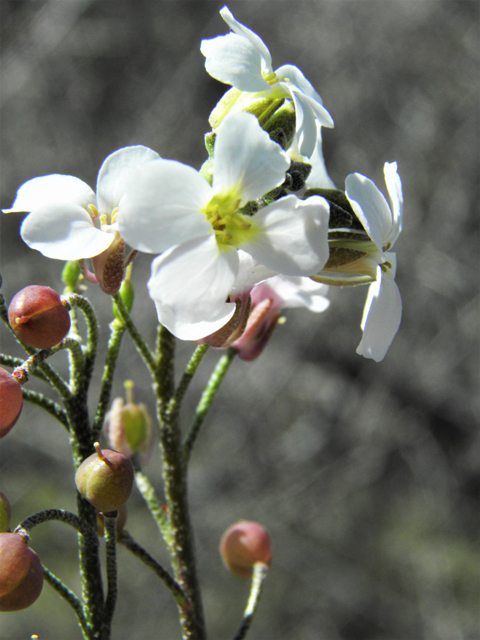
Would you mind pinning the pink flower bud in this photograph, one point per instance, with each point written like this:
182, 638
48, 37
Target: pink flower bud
243, 545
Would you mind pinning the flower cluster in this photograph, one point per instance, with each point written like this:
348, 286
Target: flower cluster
246, 235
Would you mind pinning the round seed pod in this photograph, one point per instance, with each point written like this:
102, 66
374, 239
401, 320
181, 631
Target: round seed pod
38, 317
243, 545
21, 573
11, 401
105, 479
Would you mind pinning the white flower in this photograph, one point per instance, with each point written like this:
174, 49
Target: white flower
67, 221
171, 208
242, 60
383, 307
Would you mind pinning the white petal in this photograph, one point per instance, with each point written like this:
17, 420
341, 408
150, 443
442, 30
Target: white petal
189, 285
242, 30
250, 273
49, 189
318, 176
381, 317
305, 126
64, 231
370, 207
294, 241
114, 172
299, 292
245, 155
292, 75
232, 59
394, 186
162, 206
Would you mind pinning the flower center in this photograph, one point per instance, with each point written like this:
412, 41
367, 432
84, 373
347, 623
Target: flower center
103, 218
231, 228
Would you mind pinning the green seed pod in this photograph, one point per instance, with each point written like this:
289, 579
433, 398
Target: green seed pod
243, 545
38, 317
105, 479
21, 573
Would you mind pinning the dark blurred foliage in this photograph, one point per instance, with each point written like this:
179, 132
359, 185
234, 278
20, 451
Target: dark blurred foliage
365, 474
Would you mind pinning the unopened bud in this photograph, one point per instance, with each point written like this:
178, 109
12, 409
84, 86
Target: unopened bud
243, 545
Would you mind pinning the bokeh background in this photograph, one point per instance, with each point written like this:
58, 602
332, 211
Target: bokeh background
366, 475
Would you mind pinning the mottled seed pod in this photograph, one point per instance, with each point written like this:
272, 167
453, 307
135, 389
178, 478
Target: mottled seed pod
243, 545
21, 573
11, 401
38, 317
105, 479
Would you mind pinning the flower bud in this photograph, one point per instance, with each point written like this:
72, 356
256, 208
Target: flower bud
5, 512
128, 426
121, 520
21, 573
71, 276
105, 479
243, 545
38, 317
109, 266
11, 401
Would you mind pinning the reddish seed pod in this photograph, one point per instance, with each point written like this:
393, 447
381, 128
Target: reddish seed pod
5, 513
105, 479
11, 401
243, 545
38, 317
21, 573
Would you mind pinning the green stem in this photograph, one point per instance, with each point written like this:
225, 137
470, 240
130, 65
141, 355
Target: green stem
206, 400
10, 361
175, 481
61, 515
190, 371
74, 300
111, 553
155, 506
129, 543
260, 571
48, 405
113, 350
70, 597
138, 340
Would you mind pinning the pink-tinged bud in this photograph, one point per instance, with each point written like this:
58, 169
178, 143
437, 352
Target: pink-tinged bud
109, 266
243, 545
121, 520
38, 317
128, 427
263, 319
105, 479
21, 573
11, 401
234, 328
5, 513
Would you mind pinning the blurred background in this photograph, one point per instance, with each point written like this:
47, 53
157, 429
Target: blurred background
366, 475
